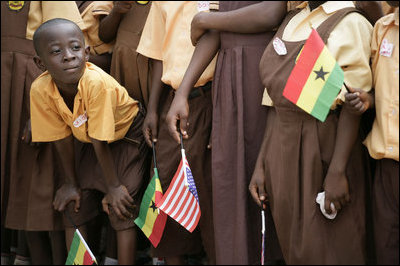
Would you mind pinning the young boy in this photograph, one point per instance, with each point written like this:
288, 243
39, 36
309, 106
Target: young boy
166, 40
74, 98
383, 140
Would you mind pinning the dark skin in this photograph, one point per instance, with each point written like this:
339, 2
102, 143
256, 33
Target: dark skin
108, 27
205, 29
63, 54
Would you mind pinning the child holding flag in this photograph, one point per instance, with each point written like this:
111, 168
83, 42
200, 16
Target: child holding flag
166, 40
74, 98
383, 140
302, 156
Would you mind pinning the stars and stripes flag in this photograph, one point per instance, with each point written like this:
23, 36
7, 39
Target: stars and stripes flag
181, 201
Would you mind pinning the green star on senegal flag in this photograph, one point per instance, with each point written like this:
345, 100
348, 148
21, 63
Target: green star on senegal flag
315, 80
151, 220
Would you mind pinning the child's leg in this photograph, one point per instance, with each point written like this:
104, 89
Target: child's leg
57, 240
126, 241
39, 246
22, 256
111, 245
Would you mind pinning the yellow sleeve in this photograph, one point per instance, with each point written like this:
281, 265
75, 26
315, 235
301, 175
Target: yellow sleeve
100, 111
152, 39
47, 125
350, 45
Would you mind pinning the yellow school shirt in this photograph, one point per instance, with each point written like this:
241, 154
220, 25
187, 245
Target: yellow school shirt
352, 31
166, 37
91, 19
383, 140
42, 11
108, 109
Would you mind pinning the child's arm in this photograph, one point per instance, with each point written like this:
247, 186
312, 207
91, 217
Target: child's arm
359, 101
109, 24
117, 195
260, 17
201, 58
257, 186
69, 191
150, 124
336, 184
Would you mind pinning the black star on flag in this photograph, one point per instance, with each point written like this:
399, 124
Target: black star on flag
320, 74
153, 206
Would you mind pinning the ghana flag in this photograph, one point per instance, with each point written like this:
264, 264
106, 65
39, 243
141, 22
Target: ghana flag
315, 80
151, 219
79, 253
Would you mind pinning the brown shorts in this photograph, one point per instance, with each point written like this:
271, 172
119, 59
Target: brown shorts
131, 160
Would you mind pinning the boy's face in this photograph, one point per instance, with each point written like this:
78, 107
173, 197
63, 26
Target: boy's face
63, 54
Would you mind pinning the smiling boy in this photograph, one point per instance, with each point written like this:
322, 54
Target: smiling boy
76, 99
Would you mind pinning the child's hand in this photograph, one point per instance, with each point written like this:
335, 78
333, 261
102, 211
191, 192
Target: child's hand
120, 200
196, 30
150, 127
179, 110
257, 187
27, 134
358, 100
336, 189
122, 7
64, 195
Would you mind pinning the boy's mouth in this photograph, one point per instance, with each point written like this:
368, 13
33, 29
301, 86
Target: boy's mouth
70, 69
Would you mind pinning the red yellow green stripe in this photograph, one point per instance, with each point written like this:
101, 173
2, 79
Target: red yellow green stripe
151, 220
315, 80
79, 253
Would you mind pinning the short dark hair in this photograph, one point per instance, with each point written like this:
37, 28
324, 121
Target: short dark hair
42, 28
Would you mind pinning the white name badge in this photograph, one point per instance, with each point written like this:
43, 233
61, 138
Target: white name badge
279, 46
386, 48
80, 120
203, 6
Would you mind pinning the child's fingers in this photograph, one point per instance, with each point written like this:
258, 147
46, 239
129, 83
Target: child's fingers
105, 206
183, 124
172, 122
350, 96
327, 206
254, 195
77, 204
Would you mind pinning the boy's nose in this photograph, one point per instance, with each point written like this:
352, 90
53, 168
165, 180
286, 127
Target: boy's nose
68, 56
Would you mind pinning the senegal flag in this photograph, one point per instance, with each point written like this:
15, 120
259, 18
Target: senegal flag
315, 80
79, 253
152, 220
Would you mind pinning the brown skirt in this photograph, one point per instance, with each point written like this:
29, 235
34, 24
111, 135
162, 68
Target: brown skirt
176, 240
298, 155
131, 162
386, 212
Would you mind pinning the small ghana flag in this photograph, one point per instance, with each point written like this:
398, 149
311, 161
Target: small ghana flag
79, 253
151, 219
315, 80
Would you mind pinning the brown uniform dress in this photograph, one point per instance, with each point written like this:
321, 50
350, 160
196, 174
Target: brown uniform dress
297, 158
238, 127
128, 67
28, 176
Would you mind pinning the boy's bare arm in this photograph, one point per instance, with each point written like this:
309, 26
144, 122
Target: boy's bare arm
117, 195
260, 17
336, 184
203, 54
109, 24
69, 191
150, 124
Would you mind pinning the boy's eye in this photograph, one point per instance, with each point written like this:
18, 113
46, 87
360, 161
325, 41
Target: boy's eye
76, 47
55, 51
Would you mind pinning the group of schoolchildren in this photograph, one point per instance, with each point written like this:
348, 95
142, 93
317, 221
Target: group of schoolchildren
89, 87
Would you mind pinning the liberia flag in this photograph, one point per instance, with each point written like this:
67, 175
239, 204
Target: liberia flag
181, 201
315, 80
79, 253
151, 220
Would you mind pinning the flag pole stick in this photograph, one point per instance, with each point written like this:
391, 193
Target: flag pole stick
154, 154
180, 135
263, 237
66, 212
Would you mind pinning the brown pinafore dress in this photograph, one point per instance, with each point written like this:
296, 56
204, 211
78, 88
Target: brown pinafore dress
28, 173
299, 151
129, 68
238, 127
